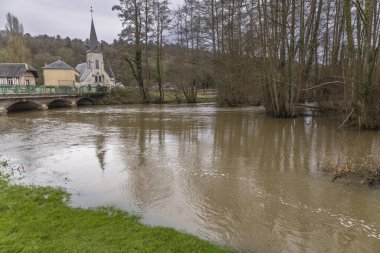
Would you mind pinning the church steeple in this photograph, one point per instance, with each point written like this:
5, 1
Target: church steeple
94, 44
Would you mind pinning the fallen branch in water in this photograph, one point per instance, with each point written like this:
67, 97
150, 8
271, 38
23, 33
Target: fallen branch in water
331, 83
346, 120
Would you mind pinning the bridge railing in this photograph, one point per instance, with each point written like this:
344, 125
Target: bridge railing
42, 89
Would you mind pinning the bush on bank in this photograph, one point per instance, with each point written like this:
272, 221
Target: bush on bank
365, 170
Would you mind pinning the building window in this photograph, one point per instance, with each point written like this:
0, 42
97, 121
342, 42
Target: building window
100, 79
97, 64
10, 81
96, 79
27, 82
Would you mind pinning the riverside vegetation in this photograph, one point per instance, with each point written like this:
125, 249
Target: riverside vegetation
38, 219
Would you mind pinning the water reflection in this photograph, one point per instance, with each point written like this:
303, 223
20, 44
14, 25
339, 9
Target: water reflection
234, 176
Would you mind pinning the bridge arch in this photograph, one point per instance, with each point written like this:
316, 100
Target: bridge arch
59, 103
23, 105
85, 101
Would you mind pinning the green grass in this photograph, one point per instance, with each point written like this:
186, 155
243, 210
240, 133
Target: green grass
131, 95
37, 219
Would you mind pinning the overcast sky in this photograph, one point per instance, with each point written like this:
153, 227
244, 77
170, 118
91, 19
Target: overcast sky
65, 17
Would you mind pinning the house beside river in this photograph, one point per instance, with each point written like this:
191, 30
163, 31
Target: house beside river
22, 74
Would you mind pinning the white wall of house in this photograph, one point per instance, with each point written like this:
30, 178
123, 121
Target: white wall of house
23, 80
9, 81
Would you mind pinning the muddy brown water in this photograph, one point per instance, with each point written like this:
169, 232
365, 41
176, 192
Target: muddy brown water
232, 176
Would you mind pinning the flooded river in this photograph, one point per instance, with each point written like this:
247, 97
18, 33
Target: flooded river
233, 176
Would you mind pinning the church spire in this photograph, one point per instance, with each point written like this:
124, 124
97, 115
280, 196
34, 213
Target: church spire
94, 44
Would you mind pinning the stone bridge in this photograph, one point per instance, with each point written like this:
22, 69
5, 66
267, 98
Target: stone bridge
11, 103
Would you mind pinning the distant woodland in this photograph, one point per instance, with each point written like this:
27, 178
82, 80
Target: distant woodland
281, 52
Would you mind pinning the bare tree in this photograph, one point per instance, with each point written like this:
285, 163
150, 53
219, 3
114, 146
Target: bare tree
191, 61
16, 49
131, 13
162, 21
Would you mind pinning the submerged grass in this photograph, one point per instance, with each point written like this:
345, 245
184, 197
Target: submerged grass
365, 170
38, 219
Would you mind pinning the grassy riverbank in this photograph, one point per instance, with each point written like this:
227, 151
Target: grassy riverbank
37, 219
131, 95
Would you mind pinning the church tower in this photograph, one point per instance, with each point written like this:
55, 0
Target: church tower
94, 57
93, 72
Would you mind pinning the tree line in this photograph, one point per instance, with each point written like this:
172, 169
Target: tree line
281, 52
287, 51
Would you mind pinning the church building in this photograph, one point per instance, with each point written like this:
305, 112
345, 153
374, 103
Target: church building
93, 72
